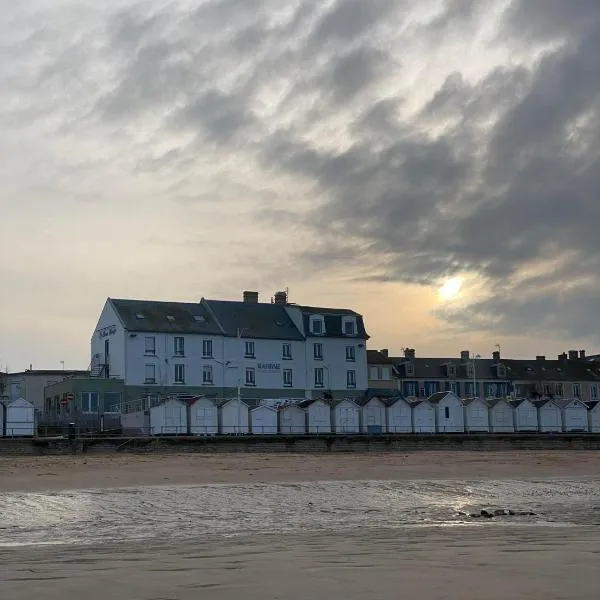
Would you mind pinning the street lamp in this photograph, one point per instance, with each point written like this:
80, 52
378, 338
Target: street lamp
239, 379
475, 357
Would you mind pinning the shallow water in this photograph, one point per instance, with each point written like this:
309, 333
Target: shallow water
179, 512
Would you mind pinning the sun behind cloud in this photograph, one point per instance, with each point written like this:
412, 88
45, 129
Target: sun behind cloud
450, 289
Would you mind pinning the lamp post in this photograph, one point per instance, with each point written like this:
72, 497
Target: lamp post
239, 380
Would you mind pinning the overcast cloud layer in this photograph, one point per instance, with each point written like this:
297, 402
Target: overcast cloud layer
264, 142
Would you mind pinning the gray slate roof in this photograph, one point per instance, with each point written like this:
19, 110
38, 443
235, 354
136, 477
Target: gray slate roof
155, 317
257, 320
333, 321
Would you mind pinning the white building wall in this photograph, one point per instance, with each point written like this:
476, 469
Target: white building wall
399, 417
263, 421
203, 417
423, 418
109, 328
292, 420
373, 417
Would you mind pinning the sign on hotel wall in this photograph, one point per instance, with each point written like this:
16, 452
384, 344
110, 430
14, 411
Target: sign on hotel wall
268, 367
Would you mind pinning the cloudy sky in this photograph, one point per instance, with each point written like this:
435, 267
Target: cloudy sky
363, 153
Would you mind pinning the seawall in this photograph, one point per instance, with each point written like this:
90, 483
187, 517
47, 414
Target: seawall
303, 443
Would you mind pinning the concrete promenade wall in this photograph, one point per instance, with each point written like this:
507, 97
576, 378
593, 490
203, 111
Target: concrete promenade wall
304, 444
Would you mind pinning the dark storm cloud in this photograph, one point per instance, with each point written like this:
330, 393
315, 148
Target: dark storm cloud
488, 174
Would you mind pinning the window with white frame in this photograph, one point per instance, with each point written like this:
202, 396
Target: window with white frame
577, 390
89, 402
179, 346
179, 374
319, 377
410, 369
150, 345
451, 371
317, 325
249, 350
207, 349
150, 373
350, 353
287, 378
286, 351
318, 351
558, 390
250, 376
594, 392
349, 326
453, 387
207, 375
351, 379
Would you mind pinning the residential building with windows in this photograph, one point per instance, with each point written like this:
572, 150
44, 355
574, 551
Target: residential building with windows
214, 347
382, 373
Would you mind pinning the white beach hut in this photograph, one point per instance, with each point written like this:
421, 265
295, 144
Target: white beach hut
423, 416
526, 416
549, 416
319, 415
263, 420
2, 413
399, 416
372, 415
449, 412
234, 417
501, 416
574, 415
477, 415
19, 418
594, 416
346, 415
168, 418
203, 417
292, 420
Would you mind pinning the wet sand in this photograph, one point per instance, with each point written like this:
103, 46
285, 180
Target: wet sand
496, 560
542, 564
112, 470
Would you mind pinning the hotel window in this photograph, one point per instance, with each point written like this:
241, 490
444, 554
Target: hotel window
350, 353
319, 377
577, 390
207, 350
179, 373
179, 346
249, 350
286, 352
453, 387
558, 390
150, 345
207, 375
317, 326
594, 392
318, 351
451, 371
250, 376
351, 379
410, 369
287, 378
150, 374
349, 328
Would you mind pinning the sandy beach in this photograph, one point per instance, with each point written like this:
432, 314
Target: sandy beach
416, 547
117, 470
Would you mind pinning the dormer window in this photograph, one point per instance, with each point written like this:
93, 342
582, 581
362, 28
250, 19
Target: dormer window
451, 371
170, 318
139, 316
410, 369
349, 326
317, 325
469, 370
501, 371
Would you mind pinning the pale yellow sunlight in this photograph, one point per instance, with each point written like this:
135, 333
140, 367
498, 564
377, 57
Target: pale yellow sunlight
450, 289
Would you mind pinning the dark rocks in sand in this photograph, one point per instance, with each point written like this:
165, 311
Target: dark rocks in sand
486, 514
499, 512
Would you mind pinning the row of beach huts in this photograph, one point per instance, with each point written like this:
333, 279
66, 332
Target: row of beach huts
440, 413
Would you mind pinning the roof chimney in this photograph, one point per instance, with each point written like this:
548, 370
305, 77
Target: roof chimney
251, 297
384, 352
540, 358
573, 355
562, 356
281, 298
496, 356
582, 354
409, 353
464, 355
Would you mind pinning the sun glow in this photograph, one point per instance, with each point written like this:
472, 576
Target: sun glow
450, 289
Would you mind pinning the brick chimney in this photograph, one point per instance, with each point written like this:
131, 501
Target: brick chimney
385, 352
562, 357
573, 355
409, 353
464, 355
582, 354
496, 356
251, 297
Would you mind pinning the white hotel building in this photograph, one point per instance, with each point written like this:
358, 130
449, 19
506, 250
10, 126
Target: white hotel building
268, 350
